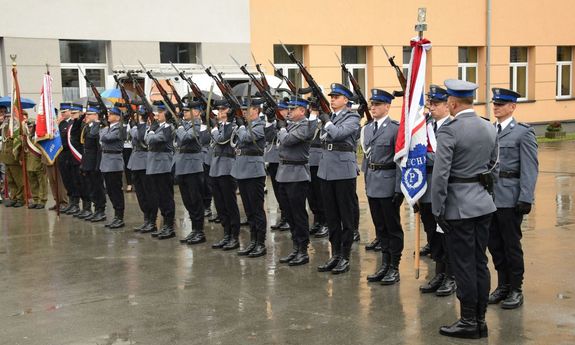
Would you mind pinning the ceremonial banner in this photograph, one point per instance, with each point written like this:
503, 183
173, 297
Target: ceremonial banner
47, 133
411, 144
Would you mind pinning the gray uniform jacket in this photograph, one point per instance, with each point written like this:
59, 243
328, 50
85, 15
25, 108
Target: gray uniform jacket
207, 147
112, 144
160, 149
517, 154
224, 154
139, 148
334, 164
189, 158
315, 149
383, 178
466, 147
249, 142
426, 198
295, 142
271, 154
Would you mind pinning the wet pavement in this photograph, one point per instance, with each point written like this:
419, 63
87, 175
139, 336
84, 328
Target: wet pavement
68, 282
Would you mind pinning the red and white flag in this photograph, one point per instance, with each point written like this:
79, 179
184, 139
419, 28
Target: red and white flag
411, 144
46, 118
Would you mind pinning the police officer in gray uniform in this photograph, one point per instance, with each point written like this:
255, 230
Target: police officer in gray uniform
272, 158
293, 176
382, 186
513, 193
137, 167
223, 184
338, 172
319, 228
460, 200
443, 282
249, 172
112, 164
160, 140
91, 165
190, 170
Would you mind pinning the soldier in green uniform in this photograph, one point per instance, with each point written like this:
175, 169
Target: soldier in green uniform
35, 169
10, 158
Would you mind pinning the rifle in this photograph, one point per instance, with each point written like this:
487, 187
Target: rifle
103, 109
167, 100
269, 99
129, 110
198, 94
398, 71
315, 89
263, 78
226, 92
364, 107
289, 83
177, 96
140, 92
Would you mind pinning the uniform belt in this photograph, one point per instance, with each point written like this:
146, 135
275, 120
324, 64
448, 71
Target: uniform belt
160, 151
189, 150
509, 174
293, 162
375, 166
111, 151
248, 152
343, 147
316, 145
455, 179
224, 154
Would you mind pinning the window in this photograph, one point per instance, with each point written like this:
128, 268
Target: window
467, 64
518, 71
88, 57
564, 71
178, 52
283, 62
406, 59
355, 61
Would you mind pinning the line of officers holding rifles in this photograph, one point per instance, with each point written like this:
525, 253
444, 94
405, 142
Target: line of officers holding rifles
481, 180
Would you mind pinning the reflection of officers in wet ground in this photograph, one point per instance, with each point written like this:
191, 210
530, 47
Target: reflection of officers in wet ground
514, 195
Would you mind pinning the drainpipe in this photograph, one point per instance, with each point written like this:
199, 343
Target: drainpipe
488, 63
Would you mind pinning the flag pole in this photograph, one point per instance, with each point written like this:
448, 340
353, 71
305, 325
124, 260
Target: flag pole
18, 104
420, 27
55, 165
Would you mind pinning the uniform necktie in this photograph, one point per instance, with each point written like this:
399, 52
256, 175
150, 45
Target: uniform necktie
375, 128
434, 127
498, 128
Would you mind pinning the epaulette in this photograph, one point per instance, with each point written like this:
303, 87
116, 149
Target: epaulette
447, 123
486, 119
526, 125
395, 122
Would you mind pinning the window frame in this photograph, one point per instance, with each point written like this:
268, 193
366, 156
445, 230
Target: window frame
558, 69
177, 63
81, 68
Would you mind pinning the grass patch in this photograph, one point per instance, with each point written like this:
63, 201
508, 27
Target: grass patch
569, 136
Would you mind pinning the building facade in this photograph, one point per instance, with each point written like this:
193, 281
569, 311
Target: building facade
512, 44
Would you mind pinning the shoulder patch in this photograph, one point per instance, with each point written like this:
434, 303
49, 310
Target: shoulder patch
395, 122
526, 125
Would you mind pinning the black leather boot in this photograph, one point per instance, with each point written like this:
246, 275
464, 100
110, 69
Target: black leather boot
436, 281
250, 246
290, 256
342, 265
322, 232
392, 275
425, 250
372, 244
260, 249
503, 287
382, 271
356, 236
151, 225
139, 228
200, 236
191, 235
74, 206
301, 257
86, 210
224, 241
99, 216
447, 287
168, 231
119, 222
481, 324
514, 299
466, 327
314, 228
